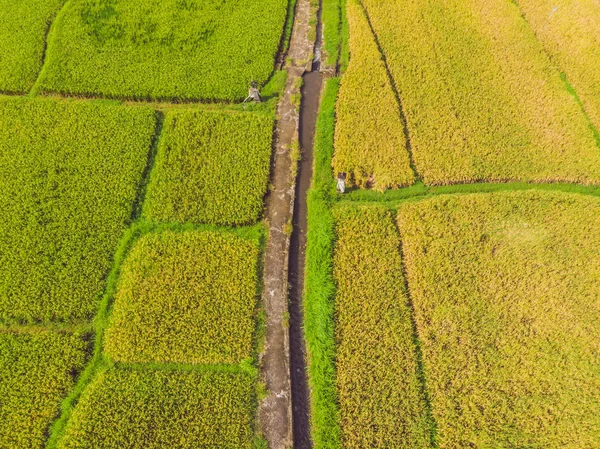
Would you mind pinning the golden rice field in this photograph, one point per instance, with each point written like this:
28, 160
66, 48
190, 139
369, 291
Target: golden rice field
570, 32
507, 308
505, 300
482, 100
380, 397
370, 145
186, 297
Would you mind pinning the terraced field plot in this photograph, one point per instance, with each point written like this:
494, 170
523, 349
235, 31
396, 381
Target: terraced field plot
186, 297
370, 144
570, 32
69, 175
506, 304
505, 299
482, 101
171, 50
157, 409
380, 397
23, 26
212, 167
36, 371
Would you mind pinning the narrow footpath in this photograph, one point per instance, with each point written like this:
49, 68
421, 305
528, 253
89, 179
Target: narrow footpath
275, 410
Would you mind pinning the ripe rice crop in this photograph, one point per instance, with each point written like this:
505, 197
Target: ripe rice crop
370, 144
570, 32
507, 304
69, 173
23, 26
211, 167
380, 395
132, 409
482, 101
164, 49
186, 297
36, 372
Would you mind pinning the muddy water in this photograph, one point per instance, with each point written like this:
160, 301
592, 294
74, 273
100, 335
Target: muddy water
300, 399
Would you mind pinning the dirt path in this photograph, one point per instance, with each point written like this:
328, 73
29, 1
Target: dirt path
275, 411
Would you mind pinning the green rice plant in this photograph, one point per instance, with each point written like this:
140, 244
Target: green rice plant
164, 49
69, 173
380, 395
370, 145
186, 297
482, 100
211, 167
23, 27
146, 409
36, 371
570, 32
507, 306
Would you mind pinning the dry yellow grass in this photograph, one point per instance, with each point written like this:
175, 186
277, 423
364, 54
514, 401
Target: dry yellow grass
482, 100
370, 144
571, 34
507, 305
380, 396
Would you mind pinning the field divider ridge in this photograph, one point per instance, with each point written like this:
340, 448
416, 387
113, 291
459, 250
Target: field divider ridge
420, 191
36, 88
421, 375
401, 110
97, 362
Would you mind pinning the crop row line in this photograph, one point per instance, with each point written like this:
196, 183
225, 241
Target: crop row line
35, 89
568, 86
397, 96
420, 371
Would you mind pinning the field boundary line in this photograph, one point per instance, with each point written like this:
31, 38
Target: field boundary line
568, 86
400, 104
96, 362
142, 189
420, 191
421, 375
35, 89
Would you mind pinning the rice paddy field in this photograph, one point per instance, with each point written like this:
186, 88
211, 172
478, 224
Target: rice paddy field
451, 295
131, 245
169, 50
458, 309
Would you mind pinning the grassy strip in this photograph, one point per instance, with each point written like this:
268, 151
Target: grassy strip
367, 109
212, 167
69, 175
420, 191
570, 33
288, 28
36, 371
186, 297
378, 377
319, 286
335, 33
163, 50
23, 28
159, 409
506, 301
482, 101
